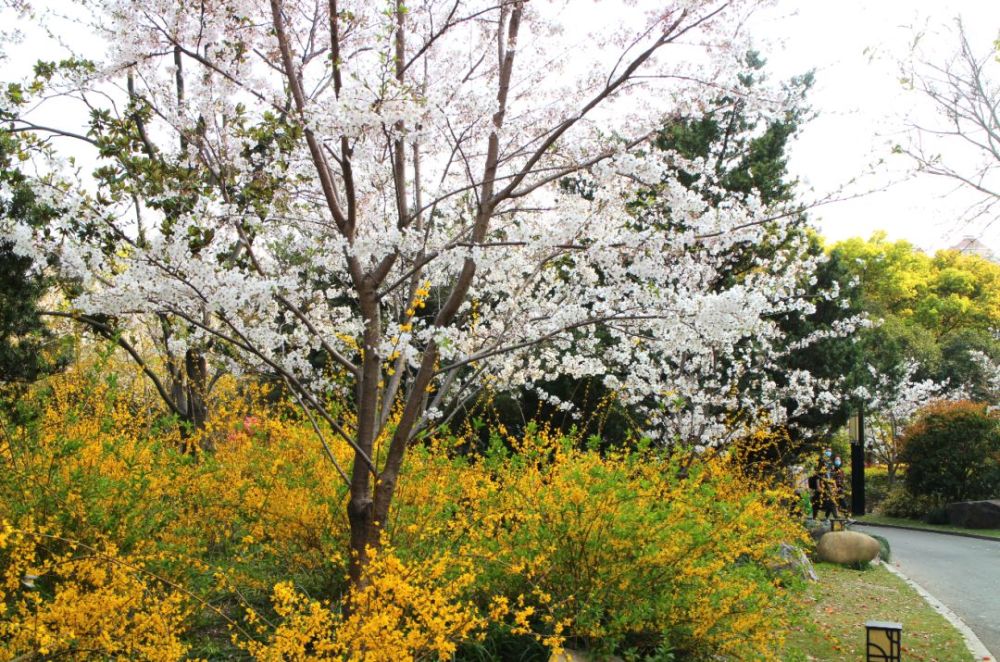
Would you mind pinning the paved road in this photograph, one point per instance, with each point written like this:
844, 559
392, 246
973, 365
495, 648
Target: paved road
963, 573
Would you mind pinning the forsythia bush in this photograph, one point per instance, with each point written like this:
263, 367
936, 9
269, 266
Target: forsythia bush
403, 613
115, 544
101, 467
611, 552
79, 600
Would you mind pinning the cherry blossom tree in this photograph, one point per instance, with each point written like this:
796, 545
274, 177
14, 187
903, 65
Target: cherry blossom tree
893, 401
990, 372
367, 200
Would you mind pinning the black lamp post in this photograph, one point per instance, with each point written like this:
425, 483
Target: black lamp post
857, 431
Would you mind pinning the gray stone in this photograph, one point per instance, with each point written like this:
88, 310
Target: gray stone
817, 529
847, 547
795, 560
975, 514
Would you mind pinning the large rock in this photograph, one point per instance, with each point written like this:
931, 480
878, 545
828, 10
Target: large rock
847, 547
975, 514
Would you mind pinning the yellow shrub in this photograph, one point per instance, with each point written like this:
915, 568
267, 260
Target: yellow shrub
102, 464
613, 550
535, 539
89, 601
402, 613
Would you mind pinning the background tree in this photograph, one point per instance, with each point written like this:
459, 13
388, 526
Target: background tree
987, 382
837, 325
28, 348
745, 146
932, 338
965, 92
932, 310
894, 401
953, 453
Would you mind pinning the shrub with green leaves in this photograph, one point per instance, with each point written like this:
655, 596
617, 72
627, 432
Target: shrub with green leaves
899, 502
953, 453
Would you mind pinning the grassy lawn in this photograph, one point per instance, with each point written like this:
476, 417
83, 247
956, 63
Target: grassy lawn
917, 524
831, 625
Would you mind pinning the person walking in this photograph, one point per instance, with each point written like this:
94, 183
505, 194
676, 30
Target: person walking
840, 484
824, 493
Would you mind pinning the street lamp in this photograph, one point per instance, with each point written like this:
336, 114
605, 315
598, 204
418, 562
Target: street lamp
883, 641
856, 428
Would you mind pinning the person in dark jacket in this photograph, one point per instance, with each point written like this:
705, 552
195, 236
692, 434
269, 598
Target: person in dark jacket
840, 484
823, 487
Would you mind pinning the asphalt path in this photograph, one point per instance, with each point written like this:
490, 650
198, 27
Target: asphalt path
963, 573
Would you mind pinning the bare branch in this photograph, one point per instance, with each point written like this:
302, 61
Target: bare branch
319, 161
116, 336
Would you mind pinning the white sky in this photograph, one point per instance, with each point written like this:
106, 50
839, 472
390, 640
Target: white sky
855, 47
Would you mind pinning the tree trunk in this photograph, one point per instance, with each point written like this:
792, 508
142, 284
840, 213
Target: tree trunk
196, 369
188, 389
360, 507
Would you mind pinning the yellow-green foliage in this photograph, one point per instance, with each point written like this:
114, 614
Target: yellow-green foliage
115, 544
611, 550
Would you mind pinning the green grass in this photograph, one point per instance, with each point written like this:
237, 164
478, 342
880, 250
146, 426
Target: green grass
830, 625
917, 524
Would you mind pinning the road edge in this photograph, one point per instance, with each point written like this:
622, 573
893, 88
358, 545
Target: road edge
960, 534
976, 647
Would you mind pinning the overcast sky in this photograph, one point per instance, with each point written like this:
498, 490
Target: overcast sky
855, 47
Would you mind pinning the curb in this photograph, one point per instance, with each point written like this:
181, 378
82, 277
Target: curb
960, 534
972, 642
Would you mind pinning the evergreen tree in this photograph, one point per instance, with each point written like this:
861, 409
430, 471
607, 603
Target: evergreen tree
27, 346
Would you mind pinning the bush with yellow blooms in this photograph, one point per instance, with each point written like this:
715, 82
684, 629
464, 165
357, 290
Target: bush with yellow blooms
117, 544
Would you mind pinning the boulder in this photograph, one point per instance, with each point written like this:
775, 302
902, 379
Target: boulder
975, 514
847, 547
